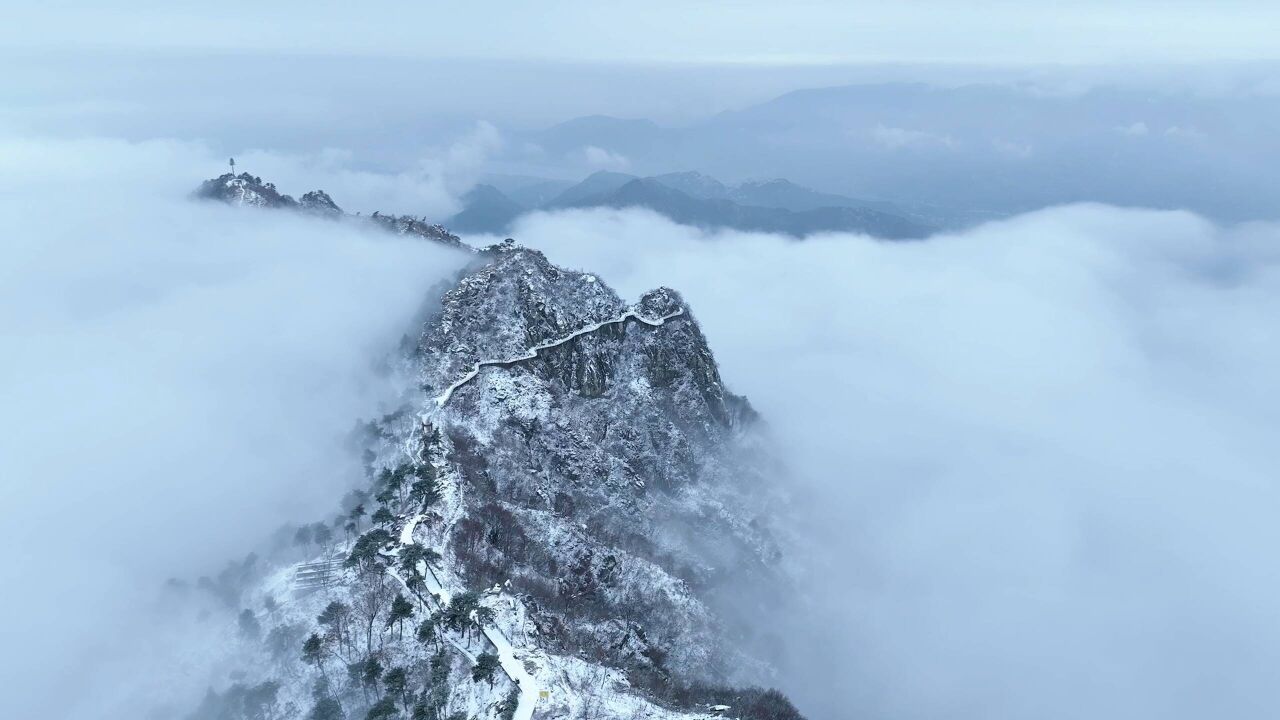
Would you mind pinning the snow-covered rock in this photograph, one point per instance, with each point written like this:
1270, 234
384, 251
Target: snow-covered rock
244, 189
318, 202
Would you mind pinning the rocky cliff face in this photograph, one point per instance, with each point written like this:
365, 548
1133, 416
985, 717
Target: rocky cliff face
549, 527
616, 468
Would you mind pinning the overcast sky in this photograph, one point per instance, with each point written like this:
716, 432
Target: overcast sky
747, 31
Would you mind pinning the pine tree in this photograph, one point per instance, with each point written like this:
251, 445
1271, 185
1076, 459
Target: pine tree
384, 709
486, 665
411, 555
334, 617
333, 614
401, 610
364, 553
425, 491
326, 709
396, 681
356, 513
383, 517
302, 538
428, 633
371, 673
283, 640
321, 534
423, 710
394, 482
250, 629
457, 616
313, 652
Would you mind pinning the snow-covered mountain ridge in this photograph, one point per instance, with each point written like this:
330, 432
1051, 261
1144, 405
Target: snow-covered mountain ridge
250, 191
564, 519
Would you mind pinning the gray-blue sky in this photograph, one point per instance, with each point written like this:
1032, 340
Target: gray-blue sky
745, 31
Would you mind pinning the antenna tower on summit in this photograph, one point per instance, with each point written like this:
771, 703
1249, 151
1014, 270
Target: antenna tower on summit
233, 166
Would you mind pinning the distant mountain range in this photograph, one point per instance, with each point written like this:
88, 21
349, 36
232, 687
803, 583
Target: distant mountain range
956, 156
690, 198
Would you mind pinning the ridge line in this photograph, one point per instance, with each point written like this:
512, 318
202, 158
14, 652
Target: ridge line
532, 352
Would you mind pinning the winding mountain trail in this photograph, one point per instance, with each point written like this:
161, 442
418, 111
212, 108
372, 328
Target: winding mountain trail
532, 352
530, 689
511, 665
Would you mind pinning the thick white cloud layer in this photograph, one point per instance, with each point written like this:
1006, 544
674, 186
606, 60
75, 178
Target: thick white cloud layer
177, 379
1035, 461
1038, 459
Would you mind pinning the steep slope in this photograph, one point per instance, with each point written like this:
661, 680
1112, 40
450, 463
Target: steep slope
598, 460
550, 527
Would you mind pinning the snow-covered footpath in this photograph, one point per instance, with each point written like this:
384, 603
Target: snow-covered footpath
529, 687
532, 352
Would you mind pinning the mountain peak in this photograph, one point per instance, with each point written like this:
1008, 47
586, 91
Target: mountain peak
562, 512
600, 425
244, 189
694, 183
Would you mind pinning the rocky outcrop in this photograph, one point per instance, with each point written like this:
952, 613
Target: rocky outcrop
617, 474
318, 202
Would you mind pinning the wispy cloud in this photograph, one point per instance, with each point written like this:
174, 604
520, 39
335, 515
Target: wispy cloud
598, 158
895, 138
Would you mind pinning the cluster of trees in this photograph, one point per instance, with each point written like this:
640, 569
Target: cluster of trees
349, 633
242, 702
398, 691
357, 649
229, 585
316, 533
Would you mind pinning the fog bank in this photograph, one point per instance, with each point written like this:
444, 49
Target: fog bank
177, 379
1035, 461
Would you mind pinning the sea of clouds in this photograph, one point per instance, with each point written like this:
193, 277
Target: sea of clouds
177, 379
1035, 462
